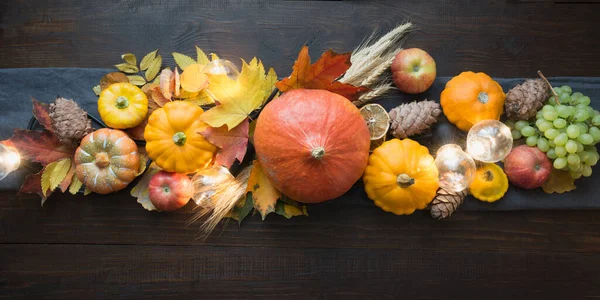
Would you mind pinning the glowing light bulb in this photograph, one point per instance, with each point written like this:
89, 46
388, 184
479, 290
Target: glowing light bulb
489, 141
456, 168
222, 66
10, 160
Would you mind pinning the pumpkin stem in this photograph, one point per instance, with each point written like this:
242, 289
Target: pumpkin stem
549, 85
483, 97
404, 181
122, 102
179, 138
318, 152
102, 160
488, 175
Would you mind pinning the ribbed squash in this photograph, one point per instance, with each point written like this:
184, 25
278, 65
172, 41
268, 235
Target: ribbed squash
490, 183
401, 176
174, 140
122, 105
472, 97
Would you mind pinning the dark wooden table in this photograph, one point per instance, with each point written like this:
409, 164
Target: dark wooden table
109, 247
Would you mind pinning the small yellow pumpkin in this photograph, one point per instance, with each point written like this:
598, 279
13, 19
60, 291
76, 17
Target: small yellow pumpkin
174, 140
490, 183
401, 176
472, 97
122, 105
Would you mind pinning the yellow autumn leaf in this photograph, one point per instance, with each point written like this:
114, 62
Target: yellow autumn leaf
59, 172
129, 58
193, 78
202, 58
238, 98
136, 80
148, 58
182, 60
127, 68
153, 68
559, 182
141, 191
87, 191
264, 194
289, 211
46, 177
75, 185
213, 56
201, 98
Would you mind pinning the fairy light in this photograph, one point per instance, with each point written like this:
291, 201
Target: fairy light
456, 168
222, 67
10, 160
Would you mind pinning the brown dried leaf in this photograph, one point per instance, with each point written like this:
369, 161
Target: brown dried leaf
42, 114
42, 147
113, 77
559, 182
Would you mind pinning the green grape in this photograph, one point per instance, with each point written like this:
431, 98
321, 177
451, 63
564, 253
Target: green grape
580, 115
585, 100
571, 146
595, 132
573, 131
551, 153
573, 167
577, 95
584, 155
531, 141
510, 124
561, 139
575, 175
596, 120
587, 171
547, 107
566, 89
580, 147
528, 131
590, 111
560, 151
552, 115
560, 163
563, 111
539, 115
585, 138
559, 123
564, 98
582, 127
520, 124
596, 112
573, 159
551, 143
543, 144
557, 89
516, 134
592, 159
572, 110
580, 106
550, 133
543, 125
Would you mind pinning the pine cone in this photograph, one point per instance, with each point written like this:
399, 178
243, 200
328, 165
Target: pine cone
69, 121
413, 118
524, 100
445, 203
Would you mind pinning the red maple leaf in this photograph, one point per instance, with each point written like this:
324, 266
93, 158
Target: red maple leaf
33, 185
321, 75
40, 146
41, 111
233, 143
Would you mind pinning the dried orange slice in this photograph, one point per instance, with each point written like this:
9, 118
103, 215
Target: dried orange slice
378, 120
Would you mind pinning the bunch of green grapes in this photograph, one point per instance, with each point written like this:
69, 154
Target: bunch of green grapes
566, 131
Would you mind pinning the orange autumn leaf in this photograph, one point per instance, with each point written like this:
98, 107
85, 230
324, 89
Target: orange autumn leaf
42, 147
321, 75
193, 78
232, 143
41, 111
264, 194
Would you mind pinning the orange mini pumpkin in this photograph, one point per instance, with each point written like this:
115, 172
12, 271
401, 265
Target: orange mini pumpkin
472, 97
107, 161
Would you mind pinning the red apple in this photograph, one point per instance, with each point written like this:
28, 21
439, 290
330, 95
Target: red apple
170, 191
527, 167
413, 70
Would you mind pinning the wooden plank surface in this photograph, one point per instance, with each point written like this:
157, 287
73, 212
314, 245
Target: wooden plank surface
101, 247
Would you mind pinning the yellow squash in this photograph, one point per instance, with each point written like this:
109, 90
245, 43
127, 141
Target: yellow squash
401, 176
174, 140
490, 183
122, 105
472, 97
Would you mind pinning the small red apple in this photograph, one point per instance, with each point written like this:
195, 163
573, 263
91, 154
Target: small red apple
413, 70
527, 167
170, 191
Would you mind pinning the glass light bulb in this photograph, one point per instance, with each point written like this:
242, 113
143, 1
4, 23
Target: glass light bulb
222, 66
489, 141
208, 182
456, 168
10, 160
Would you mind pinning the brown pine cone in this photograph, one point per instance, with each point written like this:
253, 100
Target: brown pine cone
524, 100
445, 203
413, 118
69, 121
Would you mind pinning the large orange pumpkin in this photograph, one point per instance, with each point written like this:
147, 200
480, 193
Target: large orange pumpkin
313, 144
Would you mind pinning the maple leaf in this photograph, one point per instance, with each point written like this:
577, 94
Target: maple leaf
41, 111
321, 75
238, 98
559, 182
42, 147
141, 191
264, 194
33, 185
232, 142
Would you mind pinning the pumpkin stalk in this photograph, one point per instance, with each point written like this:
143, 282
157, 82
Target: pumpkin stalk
404, 181
489, 176
179, 138
483, 97
122, 102
318, 152
102, 160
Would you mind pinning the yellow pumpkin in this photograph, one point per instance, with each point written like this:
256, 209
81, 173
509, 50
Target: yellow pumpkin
174, 140
122, 105
401, 176
107, 160
472, 97
490, 183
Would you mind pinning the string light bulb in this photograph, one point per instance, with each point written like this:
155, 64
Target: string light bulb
456, 168
10, 160
489, 141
